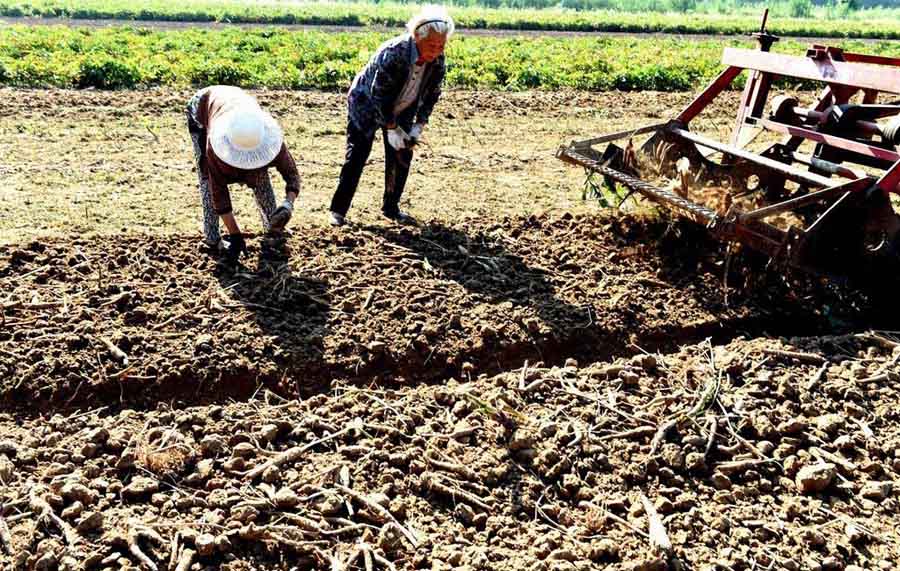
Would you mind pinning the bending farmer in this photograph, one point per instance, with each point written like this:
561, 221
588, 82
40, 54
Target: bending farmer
396, 93
235, 141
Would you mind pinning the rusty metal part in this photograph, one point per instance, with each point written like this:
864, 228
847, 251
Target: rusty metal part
695, 212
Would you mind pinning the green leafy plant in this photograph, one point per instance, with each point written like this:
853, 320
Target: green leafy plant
127, 57
106, 72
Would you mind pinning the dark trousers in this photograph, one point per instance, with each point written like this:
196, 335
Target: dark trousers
396, 170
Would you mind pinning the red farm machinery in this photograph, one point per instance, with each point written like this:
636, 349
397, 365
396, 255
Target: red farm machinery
816, 195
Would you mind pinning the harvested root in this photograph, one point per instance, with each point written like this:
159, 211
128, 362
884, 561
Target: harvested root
634, 433
660, 436
711, 428
381, 512
739, 466
797, 355
186, 559
845, 465
174, 550
134, 547
817, 378
620, 520
304, 524
462, 471
882, 378
659, 538
5, 537
270, 535
293, 454
433, 483
347, 528
382, 561
878, 339
46, 517
369, 557
116, 353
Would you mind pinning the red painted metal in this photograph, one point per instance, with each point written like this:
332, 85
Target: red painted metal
699, 103
828, 70
870, 59
890, 180
870, 97
831, 140
818, 196
791, 173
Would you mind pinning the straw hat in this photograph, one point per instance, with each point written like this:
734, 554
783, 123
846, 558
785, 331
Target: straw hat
246, 137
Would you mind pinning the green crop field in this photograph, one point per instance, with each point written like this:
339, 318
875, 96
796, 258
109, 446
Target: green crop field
675, 16
125, 57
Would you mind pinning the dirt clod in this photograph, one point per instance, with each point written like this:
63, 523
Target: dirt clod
815, 478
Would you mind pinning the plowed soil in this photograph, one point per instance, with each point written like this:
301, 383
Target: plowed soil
135, 320
521, 382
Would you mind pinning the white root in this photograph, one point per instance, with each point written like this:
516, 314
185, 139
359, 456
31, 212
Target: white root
659, 538
435, 485
186, 559
462, 471
5, 537
381, 512
293, 454
117, 353
46, 516
134, 547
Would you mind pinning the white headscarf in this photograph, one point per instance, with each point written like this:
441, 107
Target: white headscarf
431, 19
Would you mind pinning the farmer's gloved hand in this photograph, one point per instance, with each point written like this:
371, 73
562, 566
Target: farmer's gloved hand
281, 216
398, 138
236, 246
414, 133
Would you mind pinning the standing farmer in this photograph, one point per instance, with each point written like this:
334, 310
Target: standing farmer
235, 141
396, 93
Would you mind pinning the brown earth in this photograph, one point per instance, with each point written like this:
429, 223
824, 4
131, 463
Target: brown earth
377, 303
756, 454
99, 163
494, 389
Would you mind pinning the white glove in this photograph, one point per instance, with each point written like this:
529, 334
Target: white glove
415, 132
397, 138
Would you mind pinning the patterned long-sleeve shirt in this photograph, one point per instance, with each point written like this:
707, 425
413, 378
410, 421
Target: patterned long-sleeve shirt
376, 88
213, 104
